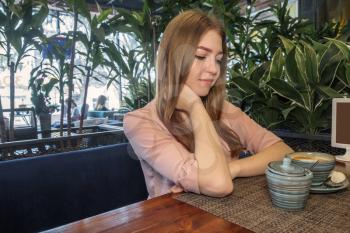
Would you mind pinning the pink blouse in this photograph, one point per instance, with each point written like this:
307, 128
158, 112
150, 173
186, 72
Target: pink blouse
166, 163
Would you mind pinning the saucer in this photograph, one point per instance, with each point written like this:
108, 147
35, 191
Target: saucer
326, 189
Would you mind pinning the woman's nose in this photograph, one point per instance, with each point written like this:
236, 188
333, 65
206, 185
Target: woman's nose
213, 66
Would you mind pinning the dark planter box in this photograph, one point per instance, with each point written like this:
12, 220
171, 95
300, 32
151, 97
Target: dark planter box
305, 142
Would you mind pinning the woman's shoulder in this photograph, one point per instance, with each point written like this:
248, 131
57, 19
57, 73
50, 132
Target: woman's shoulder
140, 115
144, 110
143, 119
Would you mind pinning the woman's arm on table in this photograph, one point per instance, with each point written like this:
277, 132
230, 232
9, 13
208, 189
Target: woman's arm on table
214, 177
257, 163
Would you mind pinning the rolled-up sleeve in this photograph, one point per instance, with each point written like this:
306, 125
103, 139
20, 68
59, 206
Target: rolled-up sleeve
252, 136
161, 151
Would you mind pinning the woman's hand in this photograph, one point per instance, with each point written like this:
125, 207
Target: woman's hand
187, 98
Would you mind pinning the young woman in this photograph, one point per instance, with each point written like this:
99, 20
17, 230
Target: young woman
101, 103
189, 137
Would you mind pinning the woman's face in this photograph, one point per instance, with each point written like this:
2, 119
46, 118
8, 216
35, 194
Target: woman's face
205, 68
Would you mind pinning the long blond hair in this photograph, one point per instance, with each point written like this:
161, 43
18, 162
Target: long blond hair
175, 56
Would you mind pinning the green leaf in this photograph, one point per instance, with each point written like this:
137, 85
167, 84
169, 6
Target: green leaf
15, 40
39, 18
276, 67
83, 38
294, 70
99, 33
259, 73
286, 111
83, 9
347, 72
344, 48
104, 14
15, 9
301, 66
129, 102
342, 75
329, 73
127, 29
247, 86
115, 56
311, 67
327, 56
2, 19
320, 48
328, 91
70, 3
300, 119
48, 86
97, 57
285, 90
94, 22
288, 44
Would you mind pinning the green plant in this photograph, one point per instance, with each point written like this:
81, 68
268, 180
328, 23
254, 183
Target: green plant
21, 32
141, 26
257, 57
57, 68
41, 85
124, 64
306, 76
73, 7
254, 97
293, 28
21, 28
93, 41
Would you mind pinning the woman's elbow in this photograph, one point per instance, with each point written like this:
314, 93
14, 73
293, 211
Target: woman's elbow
217, 189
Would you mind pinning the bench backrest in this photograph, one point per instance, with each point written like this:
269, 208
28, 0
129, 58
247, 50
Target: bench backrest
40, 193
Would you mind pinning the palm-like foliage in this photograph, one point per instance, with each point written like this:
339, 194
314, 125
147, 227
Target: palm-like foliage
125, 64
21, 30
285, 25
141, 26
93, 41
307, 77
254, 97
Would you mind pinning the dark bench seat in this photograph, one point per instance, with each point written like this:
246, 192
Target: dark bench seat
40, 193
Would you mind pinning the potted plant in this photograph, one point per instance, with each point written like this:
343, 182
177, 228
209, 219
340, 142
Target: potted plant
307, 76
40, 89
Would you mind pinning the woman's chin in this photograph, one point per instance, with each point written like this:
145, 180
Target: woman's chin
203, 93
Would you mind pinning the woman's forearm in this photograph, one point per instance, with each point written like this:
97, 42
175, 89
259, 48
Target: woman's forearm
256, 164
214, 175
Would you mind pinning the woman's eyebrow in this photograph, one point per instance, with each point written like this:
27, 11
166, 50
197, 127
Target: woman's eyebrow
208, 49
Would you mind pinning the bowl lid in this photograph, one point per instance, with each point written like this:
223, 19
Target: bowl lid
286, 168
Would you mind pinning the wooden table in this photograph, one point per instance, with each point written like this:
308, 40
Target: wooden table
158, 215
161, 214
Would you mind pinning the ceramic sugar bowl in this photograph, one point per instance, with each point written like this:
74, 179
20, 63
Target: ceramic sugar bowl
289, 184
321, 164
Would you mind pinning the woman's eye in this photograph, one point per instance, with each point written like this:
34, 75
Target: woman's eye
200, 57
219, 61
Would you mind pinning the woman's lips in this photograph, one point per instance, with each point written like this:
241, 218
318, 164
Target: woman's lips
207, 82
